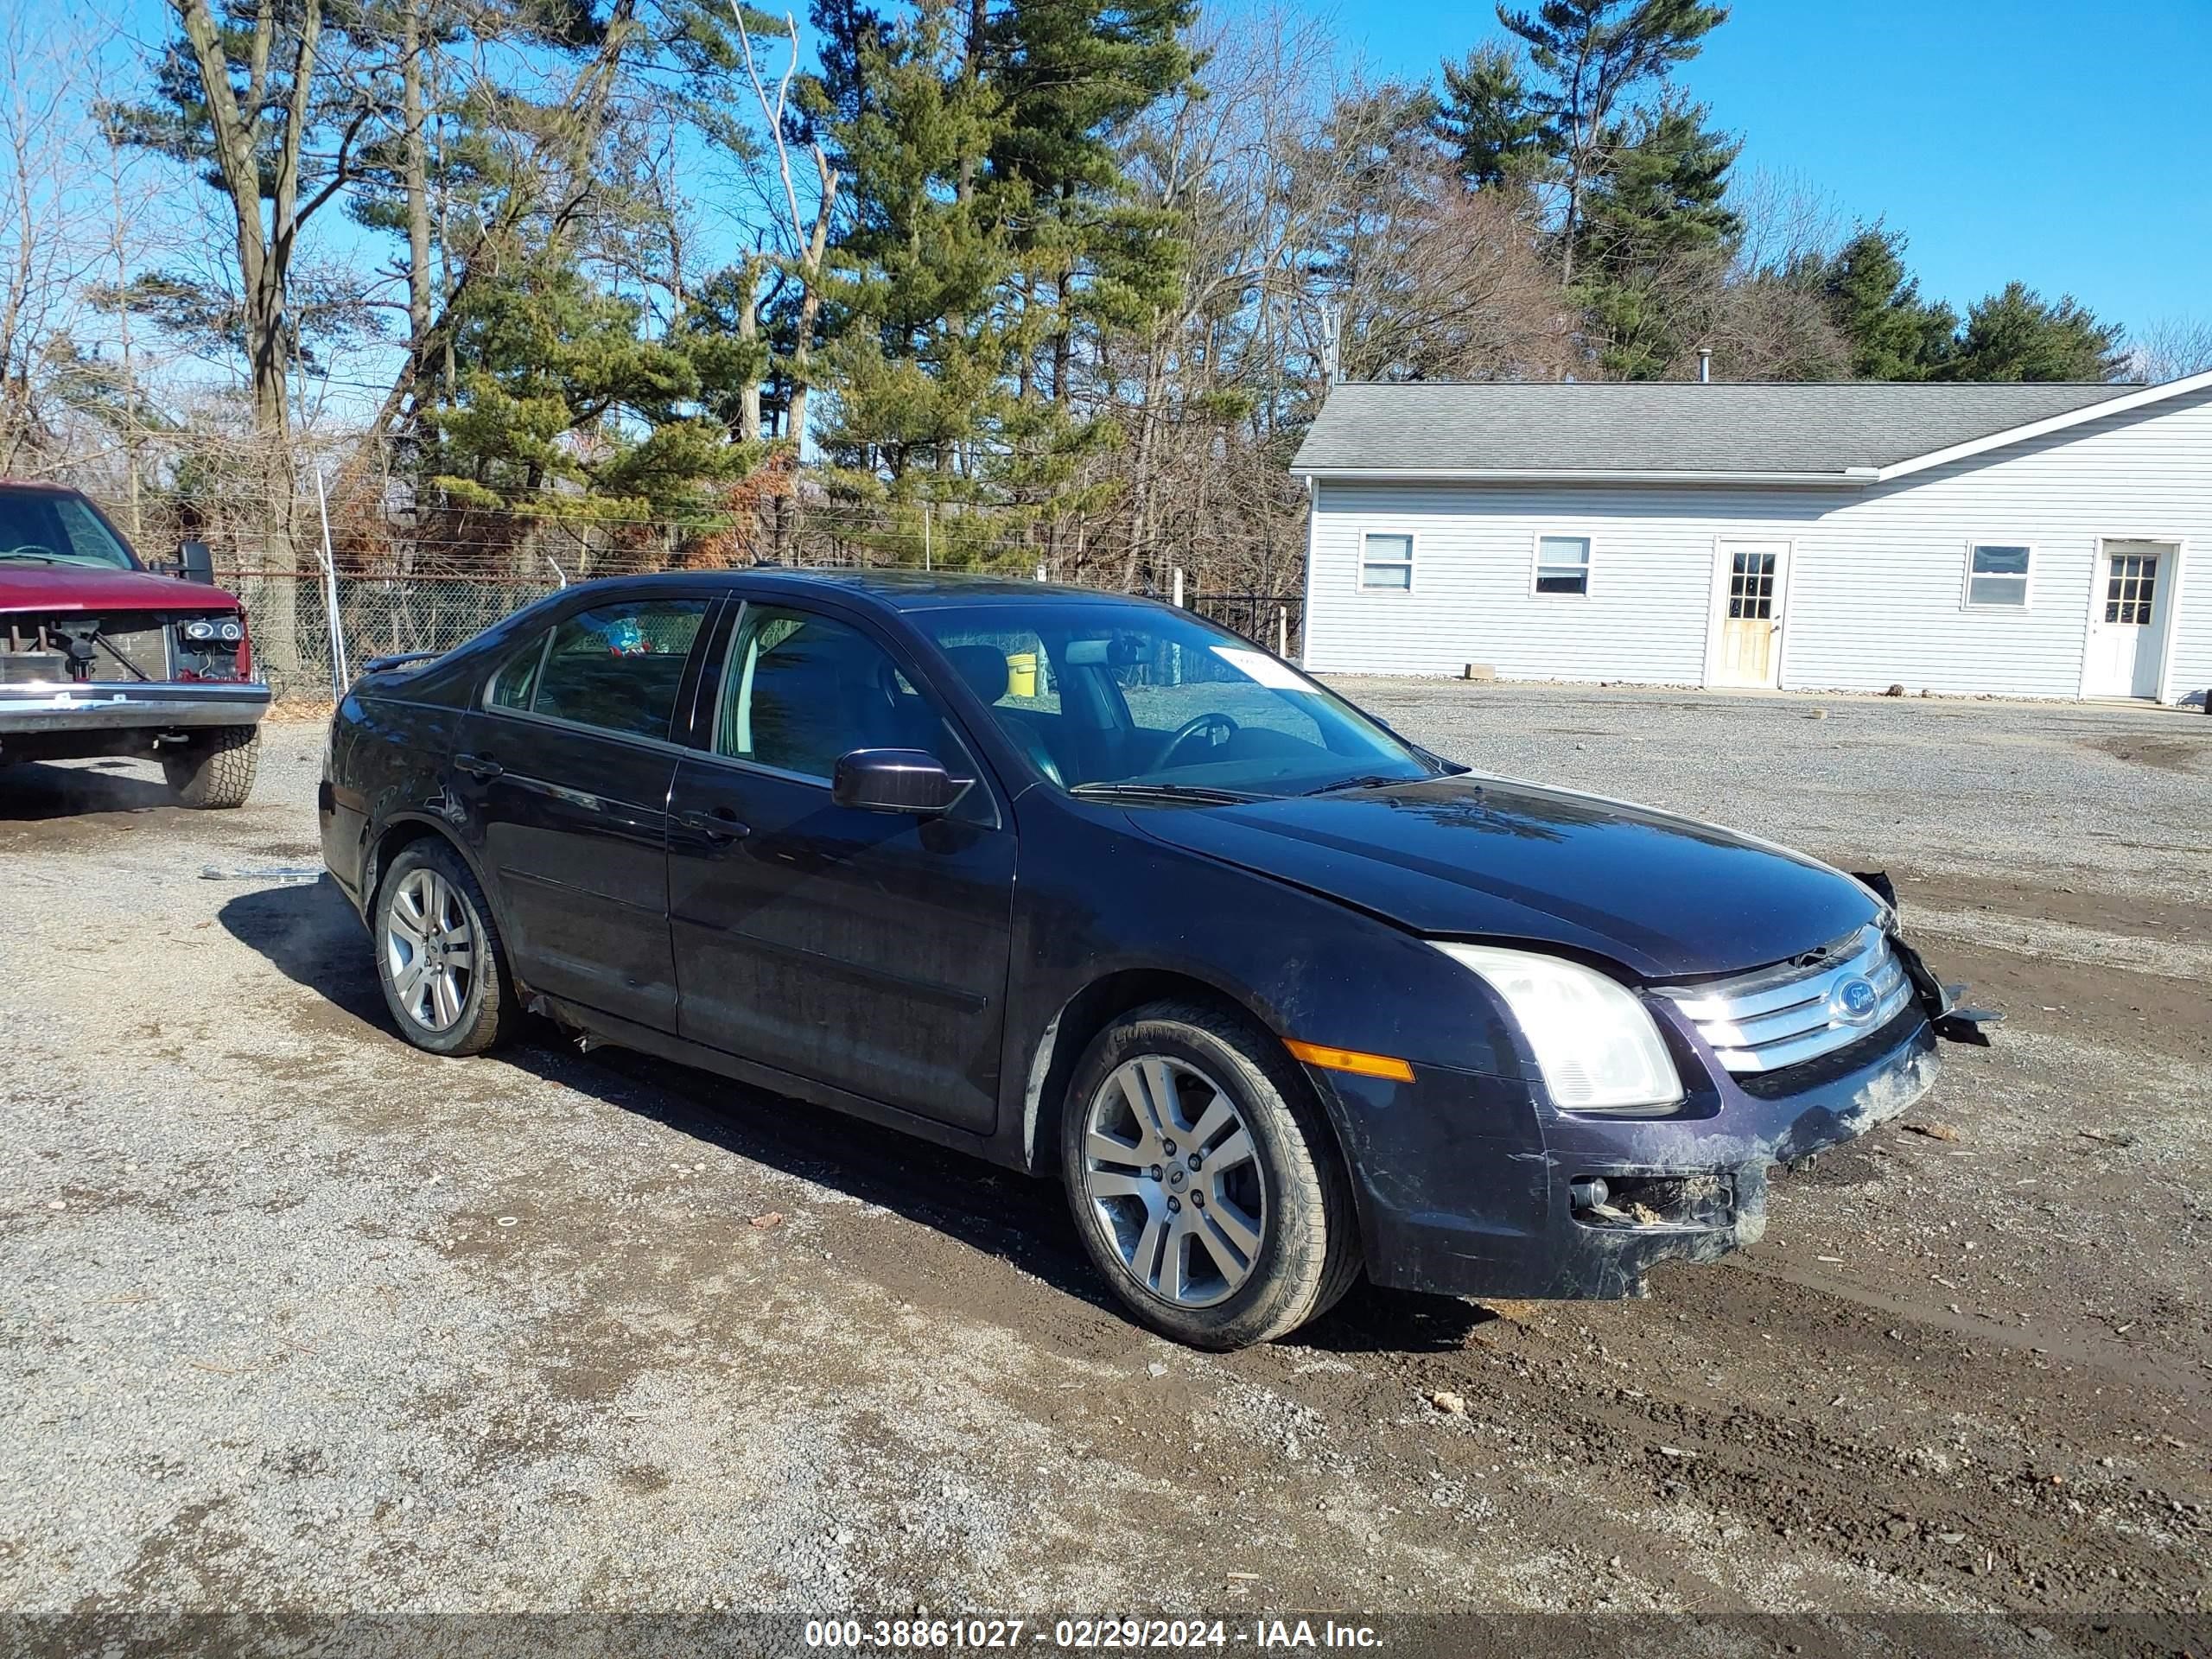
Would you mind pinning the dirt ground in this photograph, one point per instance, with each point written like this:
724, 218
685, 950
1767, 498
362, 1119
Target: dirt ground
293, 1316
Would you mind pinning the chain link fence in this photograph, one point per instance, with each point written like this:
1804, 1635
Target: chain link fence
380, 616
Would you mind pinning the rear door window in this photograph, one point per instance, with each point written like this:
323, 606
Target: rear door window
617, 668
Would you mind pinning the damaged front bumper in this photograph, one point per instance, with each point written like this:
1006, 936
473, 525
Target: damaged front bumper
1511, 1198
1635, 1195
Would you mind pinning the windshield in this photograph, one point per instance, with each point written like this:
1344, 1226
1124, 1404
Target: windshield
48, 527
1106, 695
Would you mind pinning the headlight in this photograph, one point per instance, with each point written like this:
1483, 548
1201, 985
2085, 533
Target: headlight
1594, 1041
199, 628
231, 633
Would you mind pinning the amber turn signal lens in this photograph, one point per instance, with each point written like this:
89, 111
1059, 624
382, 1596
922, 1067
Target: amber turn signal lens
1352, 1060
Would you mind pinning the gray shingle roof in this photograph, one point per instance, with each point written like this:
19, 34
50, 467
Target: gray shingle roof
1726, 426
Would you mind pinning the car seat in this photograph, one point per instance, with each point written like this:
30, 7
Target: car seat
983, 668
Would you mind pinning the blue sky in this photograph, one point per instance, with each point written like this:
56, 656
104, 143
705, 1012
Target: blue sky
2067, 143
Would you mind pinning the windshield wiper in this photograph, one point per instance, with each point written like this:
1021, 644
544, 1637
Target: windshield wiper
1370, 780
1167, 792
25, 553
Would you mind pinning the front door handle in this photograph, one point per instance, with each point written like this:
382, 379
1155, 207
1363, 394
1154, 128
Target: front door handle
482, 767
721, 825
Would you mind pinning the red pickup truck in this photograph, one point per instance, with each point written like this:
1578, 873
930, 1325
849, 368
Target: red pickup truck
100, 655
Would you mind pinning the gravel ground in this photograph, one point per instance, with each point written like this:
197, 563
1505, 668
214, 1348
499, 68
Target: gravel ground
295, 1317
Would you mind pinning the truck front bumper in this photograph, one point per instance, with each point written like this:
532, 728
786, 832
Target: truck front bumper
149, 706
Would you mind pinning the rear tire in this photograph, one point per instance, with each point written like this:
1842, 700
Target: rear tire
1205, 1184
214, 770
439, 956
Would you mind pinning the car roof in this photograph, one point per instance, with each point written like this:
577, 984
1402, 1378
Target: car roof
891, 588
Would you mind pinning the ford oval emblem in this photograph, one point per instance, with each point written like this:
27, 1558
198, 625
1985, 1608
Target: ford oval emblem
1855, 1001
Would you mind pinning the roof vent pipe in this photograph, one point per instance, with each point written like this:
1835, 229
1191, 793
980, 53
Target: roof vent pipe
1705, 366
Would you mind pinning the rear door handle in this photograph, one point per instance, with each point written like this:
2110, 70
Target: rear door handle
721, 825
482, 767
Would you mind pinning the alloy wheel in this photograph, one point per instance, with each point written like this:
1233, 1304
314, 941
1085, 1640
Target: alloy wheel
1170, 1170
431, 949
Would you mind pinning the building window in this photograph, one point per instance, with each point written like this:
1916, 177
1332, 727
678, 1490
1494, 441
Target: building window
1997, 576
1563, 564
1386, 560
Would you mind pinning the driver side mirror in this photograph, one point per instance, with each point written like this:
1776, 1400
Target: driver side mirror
895, 781
194, 562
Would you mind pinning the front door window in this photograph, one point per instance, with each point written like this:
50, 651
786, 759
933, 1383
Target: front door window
802, 689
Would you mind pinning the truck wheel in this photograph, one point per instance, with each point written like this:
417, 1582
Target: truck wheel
216, 768
439, 956
1204, 1184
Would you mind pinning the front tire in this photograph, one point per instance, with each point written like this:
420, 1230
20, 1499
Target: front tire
439, 956
215, 770
1206, 1185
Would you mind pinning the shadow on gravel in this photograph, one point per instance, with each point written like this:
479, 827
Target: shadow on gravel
32, 792
311, 935
1371, 1319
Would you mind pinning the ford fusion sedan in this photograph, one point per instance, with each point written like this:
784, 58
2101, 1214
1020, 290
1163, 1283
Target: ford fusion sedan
1082, 885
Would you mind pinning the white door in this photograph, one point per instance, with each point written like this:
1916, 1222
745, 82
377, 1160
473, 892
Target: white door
1751, 575
2124, 643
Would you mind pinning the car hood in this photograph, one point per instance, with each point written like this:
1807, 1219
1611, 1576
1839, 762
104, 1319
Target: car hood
1472, 856
82, 588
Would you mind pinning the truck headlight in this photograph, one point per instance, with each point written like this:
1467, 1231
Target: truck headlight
1594, 1041
199, 628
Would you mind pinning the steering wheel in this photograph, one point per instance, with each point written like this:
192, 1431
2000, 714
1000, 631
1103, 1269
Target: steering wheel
1189, 730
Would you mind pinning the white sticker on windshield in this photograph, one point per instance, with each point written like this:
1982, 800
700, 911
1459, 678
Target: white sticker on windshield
1276, 677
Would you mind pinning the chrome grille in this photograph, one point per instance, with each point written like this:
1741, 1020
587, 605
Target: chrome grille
1800, 1009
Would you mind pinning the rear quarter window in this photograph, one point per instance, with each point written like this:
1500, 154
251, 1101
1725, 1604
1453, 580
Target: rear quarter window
515, 685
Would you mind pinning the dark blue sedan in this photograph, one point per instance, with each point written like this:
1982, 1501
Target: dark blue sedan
1085, 885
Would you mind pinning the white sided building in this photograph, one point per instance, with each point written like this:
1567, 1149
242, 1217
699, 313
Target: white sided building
2022, 540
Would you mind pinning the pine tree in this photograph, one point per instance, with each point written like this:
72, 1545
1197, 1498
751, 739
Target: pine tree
1592, 54
1069, 75
917, 349
1655, 230
1894, 334
569, 404
1485, 120
2015, 335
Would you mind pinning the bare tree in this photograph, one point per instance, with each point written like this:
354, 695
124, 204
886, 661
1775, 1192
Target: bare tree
260, 141
50, 240
1202, 386
2169, 350
1453, 288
